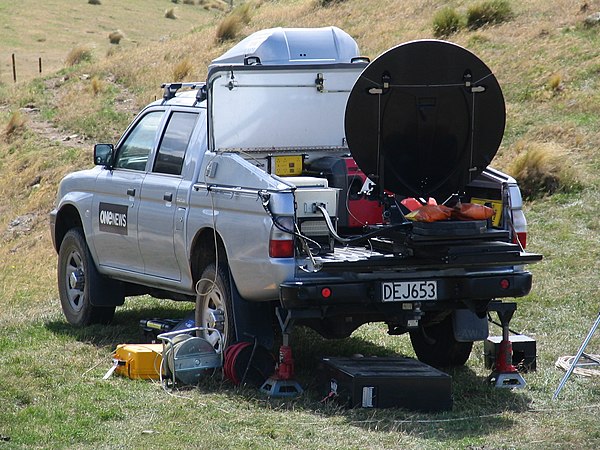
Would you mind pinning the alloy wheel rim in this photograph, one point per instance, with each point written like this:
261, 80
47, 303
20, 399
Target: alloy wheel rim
75, 281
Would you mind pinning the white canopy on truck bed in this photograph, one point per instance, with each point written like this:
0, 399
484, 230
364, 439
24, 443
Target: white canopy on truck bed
283, 88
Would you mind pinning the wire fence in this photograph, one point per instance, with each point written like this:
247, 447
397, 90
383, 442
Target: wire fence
13, 66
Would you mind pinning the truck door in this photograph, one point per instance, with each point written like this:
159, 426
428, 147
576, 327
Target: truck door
162, 209
116, 201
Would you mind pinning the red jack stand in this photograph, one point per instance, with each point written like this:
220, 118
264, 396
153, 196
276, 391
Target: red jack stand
282, 384
505, 375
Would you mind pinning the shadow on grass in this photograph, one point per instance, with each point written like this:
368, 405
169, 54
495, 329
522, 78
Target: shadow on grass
124, 328
478, 409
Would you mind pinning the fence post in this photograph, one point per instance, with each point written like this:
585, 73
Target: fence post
14, 67
40, 64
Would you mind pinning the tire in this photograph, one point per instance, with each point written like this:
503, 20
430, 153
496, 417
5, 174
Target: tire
214, 307
436, 345
79, 282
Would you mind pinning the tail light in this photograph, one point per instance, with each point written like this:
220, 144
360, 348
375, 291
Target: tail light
519, 224
281, 242
520, 238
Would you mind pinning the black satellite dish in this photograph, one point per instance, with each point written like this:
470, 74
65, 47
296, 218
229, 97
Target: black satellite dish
425, 118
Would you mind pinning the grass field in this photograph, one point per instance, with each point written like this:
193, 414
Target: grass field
51, 389
50, 32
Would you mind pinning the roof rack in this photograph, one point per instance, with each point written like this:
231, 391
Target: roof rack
170, 89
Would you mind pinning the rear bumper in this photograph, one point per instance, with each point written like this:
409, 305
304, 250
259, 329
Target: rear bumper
310, 294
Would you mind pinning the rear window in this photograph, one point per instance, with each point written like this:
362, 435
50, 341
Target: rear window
174, 143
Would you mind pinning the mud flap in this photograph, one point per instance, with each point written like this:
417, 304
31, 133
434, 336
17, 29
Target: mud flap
112, 294
468, 327
252, 319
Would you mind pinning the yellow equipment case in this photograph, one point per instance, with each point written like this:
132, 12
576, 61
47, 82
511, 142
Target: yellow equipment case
139, 361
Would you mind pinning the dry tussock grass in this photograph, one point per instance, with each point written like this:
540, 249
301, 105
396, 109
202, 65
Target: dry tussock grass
115, 37
78, 55
488, 12
170, 13
182, 69
96, 85
15, 124
543, 169
446, 22
555, 82
230, 27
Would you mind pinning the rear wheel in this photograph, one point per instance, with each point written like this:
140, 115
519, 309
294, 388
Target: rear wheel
214, 307
436, 345
79, 281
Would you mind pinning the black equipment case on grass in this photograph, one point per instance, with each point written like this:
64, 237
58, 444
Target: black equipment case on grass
390, 382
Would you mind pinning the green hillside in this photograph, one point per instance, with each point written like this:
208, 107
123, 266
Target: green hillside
547, 61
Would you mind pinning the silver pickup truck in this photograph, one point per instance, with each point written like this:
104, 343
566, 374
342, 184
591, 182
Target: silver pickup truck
281, 184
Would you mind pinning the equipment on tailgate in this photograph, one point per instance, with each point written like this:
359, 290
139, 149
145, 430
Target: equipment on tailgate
471, 211
430, 213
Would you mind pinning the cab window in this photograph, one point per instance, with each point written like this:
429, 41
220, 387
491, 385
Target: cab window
171, 151
133, 152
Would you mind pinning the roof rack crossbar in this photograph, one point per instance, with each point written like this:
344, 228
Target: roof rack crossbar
170, 89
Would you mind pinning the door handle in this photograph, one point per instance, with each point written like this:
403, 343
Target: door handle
131, 192
168, 197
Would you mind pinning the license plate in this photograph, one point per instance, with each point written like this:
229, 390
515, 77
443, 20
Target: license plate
399, 291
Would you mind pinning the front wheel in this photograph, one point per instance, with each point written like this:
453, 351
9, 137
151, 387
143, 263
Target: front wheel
436, 345
214, 307
79, 281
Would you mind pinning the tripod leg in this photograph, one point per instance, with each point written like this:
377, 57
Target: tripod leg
576, 360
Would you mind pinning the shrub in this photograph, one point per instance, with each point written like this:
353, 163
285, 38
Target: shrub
555, 82
446, 21
243, 11
97, 85
182, 69
229, 28
15, 124
78, 55
94, 2
542, 169
115, 37
189, 2
488, 12
170, 14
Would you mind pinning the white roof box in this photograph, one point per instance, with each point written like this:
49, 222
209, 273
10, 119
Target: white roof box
284, 46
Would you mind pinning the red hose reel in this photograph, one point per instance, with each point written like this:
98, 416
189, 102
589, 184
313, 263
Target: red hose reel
247, 363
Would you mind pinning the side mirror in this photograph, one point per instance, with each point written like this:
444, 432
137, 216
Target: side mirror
104, 154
